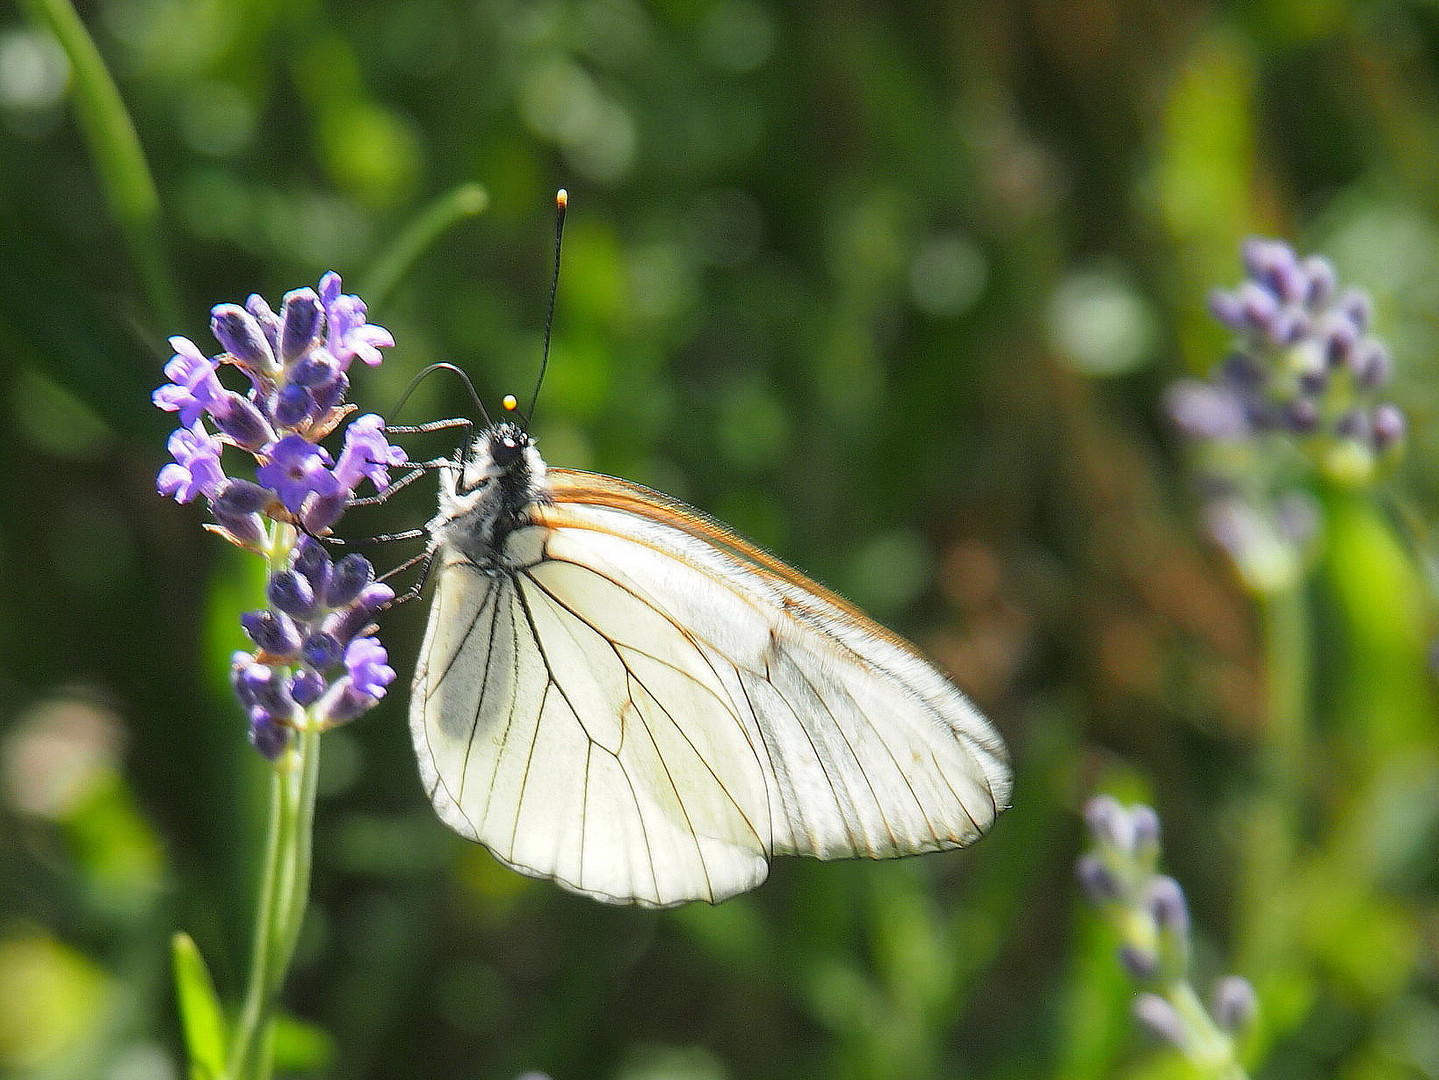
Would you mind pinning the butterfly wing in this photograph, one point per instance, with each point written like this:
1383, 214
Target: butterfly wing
646, 708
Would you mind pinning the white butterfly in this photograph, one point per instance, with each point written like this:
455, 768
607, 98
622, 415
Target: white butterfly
621, 694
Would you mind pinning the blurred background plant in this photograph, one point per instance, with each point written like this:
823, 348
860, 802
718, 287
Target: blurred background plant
898, 290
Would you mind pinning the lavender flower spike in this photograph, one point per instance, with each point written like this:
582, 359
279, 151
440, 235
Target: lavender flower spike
1119, 875
315, 662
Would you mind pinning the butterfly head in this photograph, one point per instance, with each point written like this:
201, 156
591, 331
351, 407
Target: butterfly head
488, 489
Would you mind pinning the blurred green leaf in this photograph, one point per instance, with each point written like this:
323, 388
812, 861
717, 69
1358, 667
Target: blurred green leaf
201, 1017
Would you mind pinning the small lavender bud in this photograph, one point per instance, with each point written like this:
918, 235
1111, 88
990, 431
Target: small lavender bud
343, 703
328, 395
265, 315
321, 651
1100, 885
1242, 371
1146, 830
1107, 820
1258, 255
1373, 366
306, 687
1225, 307
311, 560
293, 594
1287, 279
1282, 329
268, 736
315, 369
258, 685
301, 322
322, 511
1322, 281
243, 497
345, 623
1165, 901
1340, 336
272, 632
1233, 1003
293, 404
1141, 962
1389, 426
1161, 1019
350, 575
1202, 411
242, 336
1259, 307
1356, 304
237, 417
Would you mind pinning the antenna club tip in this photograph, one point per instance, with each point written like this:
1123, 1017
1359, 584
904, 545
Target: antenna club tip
562, 198
510, 402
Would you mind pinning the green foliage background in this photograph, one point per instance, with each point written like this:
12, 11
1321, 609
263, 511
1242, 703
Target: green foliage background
893, 288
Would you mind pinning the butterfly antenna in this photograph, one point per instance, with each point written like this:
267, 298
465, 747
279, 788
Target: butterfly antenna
443, 366
562, 201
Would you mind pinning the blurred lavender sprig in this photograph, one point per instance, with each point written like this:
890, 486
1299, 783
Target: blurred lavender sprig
1120, 876
315, 659
1300, 396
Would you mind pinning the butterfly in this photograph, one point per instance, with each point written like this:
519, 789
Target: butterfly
619, 693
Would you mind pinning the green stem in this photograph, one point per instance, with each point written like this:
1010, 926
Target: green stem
119, 160
1282, 759
465, 200
284, 891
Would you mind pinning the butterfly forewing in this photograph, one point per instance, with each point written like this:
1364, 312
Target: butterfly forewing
639, 704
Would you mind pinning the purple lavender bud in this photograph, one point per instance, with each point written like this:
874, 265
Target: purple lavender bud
260, 309
1373, 366
243, 497
1389, 426
293, 404
239, 419
1301, 326
1200, 410
1282, 329
348, 334
350, 575
306, 687
272, 632
1242, 371
343, 702
296, 470
1322, 280
293, 594
247, 530
321, 512
1258, 307
267, 735
1100, 885
1286, 278
1140, 962
301, 322
258, 686
1340, 336
345, 623
312, 561
1225, 307
1355, 303
1165, 900
1146, 829
242, 336
1161, 1019
1257, 254
330, 394
315, 369
321, 651
1233, 1003
1109, 822
1356, 425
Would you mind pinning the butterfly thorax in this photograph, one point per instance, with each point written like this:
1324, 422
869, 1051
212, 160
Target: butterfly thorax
488, 492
